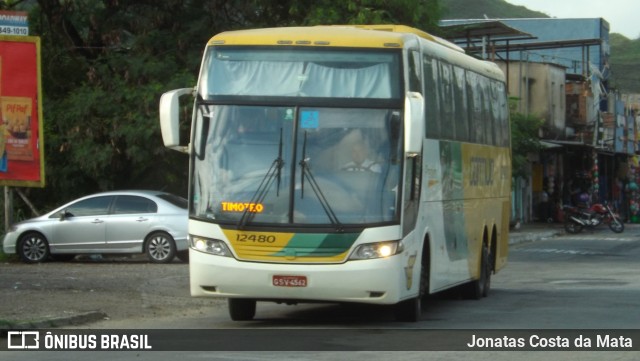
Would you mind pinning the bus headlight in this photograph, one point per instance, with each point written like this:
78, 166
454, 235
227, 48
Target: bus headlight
376, 250
212, 246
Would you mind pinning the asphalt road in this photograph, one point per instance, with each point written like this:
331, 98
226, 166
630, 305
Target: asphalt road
585, 282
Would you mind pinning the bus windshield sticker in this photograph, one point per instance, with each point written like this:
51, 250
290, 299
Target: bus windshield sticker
288, 114
309, 119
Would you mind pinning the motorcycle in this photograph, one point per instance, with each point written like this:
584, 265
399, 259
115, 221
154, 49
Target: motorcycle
577, 218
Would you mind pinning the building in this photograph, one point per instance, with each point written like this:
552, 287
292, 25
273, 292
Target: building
558, 69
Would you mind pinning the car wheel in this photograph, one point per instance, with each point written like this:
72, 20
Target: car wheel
33, 248
160, 247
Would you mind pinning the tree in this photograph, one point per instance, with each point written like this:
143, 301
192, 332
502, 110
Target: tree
524, 140
422, 14
105, 64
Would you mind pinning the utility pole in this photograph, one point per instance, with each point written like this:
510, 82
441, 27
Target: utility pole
8, 208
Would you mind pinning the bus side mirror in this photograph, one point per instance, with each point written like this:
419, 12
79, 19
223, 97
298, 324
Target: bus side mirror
170, 118
413, 123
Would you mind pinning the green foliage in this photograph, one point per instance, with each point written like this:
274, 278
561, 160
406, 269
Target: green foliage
524, 139
494, 9
418, 13
106, 63
624, 63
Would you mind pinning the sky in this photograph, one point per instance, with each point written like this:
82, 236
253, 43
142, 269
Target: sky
623, 16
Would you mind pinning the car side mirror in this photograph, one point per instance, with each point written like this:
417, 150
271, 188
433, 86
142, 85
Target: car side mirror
65, 214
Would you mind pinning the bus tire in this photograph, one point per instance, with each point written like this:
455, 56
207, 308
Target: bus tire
242, 309
410, 310
479, 288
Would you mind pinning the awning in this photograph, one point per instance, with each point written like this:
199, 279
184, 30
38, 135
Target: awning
547, 145
477, 29
567, 143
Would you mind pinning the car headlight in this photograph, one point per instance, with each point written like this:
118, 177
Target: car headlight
208, 245
376, 250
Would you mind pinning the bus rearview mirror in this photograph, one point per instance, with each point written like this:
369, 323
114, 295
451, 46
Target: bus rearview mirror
170, 118
413, 123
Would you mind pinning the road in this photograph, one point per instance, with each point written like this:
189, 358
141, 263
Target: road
579, 282
585, 281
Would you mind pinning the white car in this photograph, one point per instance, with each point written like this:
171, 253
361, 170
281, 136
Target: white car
105, 223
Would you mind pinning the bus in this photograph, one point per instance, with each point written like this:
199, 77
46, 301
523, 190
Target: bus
361, 164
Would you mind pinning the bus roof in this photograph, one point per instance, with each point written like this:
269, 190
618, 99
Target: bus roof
365, 36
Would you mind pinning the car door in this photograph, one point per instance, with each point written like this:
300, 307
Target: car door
82, 228
131, 220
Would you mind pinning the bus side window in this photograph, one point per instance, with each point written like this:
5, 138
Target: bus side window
500, 114
432, 97
447, 114
474, 91
414, 73
487, 122
460, 104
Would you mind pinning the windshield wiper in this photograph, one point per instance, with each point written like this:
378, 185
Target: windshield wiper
306, 173
274, 173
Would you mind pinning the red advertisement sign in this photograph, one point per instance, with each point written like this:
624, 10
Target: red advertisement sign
21, 143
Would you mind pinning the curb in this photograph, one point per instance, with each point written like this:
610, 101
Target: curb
77, 319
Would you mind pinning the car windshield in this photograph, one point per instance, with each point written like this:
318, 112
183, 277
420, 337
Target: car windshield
296, 165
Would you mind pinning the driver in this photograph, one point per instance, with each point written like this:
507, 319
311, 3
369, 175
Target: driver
360, 161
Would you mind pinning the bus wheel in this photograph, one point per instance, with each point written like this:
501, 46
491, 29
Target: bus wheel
479, 288
242, 309
410, 310
487, 267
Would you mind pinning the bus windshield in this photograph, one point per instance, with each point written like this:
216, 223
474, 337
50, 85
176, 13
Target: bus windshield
317, 73
261, 165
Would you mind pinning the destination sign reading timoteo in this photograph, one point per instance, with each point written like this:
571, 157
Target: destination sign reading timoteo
242, 207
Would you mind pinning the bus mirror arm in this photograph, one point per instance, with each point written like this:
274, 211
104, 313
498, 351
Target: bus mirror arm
170, 118
413, 123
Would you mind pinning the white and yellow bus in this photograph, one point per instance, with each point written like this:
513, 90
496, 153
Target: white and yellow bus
363, 164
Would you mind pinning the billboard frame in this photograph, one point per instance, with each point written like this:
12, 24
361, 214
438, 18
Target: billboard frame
37, 103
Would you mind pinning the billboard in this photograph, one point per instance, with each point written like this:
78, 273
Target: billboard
14, 22
21, 135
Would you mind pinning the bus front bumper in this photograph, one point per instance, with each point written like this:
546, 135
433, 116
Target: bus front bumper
375, 281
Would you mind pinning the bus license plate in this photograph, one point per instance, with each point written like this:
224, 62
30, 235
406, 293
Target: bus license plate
289, 281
